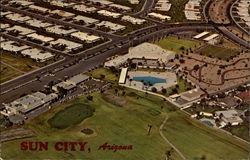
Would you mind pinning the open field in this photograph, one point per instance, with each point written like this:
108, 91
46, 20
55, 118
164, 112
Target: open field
127, 125
219, 52
7, 73
176, 45
228, 44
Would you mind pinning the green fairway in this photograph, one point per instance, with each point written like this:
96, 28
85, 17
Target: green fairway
219, 52
128, 125
71, 115
104, 74
177, 45
196, 141
7, 73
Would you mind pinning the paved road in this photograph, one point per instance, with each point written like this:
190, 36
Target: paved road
146, 8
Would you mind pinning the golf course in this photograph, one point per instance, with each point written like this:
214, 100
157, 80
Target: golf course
124, 120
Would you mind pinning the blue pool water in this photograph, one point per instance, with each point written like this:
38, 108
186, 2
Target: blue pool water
208, 123
149, 80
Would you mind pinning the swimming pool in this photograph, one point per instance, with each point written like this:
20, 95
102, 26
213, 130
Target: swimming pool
208, 123
149, 80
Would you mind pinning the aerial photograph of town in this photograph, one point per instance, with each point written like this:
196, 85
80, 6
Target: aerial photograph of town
125, 80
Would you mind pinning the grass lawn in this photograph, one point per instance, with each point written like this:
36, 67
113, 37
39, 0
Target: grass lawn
219, 52
200, 108
241, 131
183, 86
196, 141
228, 44
175, 44
71, 115
7, 73
127, 125
109, 76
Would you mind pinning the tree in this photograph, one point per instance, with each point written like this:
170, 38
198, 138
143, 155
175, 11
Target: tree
123, 93
163, 90
90, 98
182, 61
154, 89
102, 76
196, 67
116, 92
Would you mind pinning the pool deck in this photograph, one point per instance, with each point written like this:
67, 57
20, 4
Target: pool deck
170, 77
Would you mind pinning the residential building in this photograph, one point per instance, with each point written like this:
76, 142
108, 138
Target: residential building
229, 117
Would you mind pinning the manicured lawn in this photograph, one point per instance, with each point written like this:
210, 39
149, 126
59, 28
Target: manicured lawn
7, 73
71, 115
241, 131
200, 108
128, 125
219, 52
183, 87
109, 76
195, 140
176, 45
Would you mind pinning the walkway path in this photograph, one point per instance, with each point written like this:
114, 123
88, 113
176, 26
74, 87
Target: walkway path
167, 141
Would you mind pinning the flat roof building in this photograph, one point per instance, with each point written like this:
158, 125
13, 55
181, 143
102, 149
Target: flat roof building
163, 5
22, 31
133, 20
39, 9
85, 19
101, 2
37, 54
40, 37
58, 29
28, 103
13, 46
120, 7
212, 39
112, 26
69, 44
159, 16
21, 2
38, 23
18, 17
123, 76
84, 8
78, 79
109, 14
86, 37
229, 116
198, 36
62, 13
